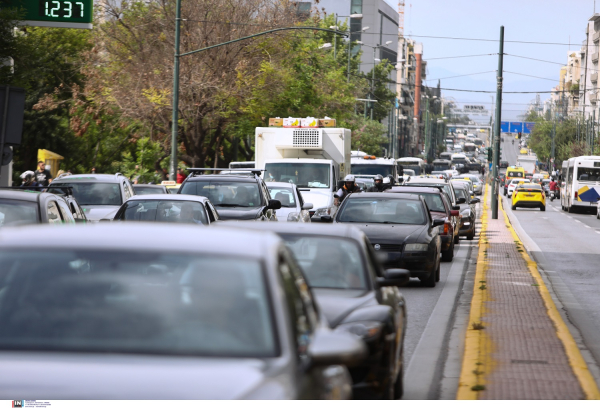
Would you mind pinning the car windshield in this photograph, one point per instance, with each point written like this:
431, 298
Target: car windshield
284, 194
372, 169
434, 202
304, 175
223, 193
143, 190
134, 302
18, 212
329, 262
92, 193
188, 212
382, 211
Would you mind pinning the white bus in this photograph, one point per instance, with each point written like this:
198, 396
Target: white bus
582, 183
412, 163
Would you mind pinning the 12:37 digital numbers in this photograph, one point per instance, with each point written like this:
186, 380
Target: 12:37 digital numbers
62, 9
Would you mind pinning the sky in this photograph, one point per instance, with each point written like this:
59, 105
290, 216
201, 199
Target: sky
523, 20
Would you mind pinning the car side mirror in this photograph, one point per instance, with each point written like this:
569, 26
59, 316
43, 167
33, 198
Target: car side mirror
326, 218
335, 348
454, 213
475, 201
274, 205
461, 201
307, 206
437, 222
394, 277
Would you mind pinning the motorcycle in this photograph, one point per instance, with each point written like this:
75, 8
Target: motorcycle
552, 195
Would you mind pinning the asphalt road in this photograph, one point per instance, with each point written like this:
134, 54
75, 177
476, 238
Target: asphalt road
509, 151
566, 247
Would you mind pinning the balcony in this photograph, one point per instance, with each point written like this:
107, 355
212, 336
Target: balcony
595, 57
593, 98
596, 37
594, 77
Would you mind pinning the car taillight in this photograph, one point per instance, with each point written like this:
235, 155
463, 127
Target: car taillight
575, 194
446, 228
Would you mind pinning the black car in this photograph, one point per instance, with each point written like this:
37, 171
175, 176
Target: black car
401, 226
503, 164
21, 207
236, 196
467, 211
356, 295
145, 189
440, 208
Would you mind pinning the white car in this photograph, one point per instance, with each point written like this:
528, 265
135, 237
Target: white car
513, 184
293, 208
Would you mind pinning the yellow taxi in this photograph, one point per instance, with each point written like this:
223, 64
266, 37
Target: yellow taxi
523, 151
529, 195
171, 186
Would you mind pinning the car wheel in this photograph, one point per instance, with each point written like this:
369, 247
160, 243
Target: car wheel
399, 384
448, 254
514, 207
456, 239
430, 280
543, 208
471, 235
438, 273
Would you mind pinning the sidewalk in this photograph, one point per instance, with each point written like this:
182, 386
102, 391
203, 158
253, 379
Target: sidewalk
517, 346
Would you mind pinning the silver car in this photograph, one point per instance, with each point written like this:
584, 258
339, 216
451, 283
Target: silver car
293, 208
153, 311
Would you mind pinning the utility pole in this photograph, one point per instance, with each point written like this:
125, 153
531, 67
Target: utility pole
553, 151
427, 142
373, 79
175, 117
496, 151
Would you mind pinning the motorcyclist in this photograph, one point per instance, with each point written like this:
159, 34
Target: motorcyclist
348, 188
553, 188
28, 178
513, 141
378, 187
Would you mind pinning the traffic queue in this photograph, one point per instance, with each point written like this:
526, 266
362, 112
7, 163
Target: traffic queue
282, 309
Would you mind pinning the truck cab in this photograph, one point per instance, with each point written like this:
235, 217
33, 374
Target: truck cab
312, 158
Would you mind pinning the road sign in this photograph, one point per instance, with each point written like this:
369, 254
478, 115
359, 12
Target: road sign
528, 127
504, 127
475, 110
516, 127
55, 13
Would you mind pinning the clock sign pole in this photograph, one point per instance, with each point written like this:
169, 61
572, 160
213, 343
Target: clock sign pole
54, 13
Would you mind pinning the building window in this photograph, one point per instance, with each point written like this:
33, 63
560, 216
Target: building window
389, 55
355, 29
303, 9
356, 7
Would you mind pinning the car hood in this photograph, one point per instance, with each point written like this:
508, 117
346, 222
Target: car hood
239, 213
336, 304
98, 212
66, 376
318, 197
389, 233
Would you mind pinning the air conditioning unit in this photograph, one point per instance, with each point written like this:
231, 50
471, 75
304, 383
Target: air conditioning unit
305, 139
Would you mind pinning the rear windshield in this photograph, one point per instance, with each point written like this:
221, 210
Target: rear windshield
18, 212
225, 193
92, 193
186, 212
110, 301
383, 211
141, 190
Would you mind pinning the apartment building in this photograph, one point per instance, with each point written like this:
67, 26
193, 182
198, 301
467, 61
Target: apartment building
588, 84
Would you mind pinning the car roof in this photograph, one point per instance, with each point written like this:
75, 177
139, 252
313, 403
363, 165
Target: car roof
86, 178
169, 197
246, 178
333, 230
22, 195
140, 236
155, 186
409, 189
416, 180
530, 185
384, 195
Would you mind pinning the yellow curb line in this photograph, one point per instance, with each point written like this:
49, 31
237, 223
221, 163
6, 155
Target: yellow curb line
475, 339
576, 361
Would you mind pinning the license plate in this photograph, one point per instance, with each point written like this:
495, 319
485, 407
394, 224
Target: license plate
528, 195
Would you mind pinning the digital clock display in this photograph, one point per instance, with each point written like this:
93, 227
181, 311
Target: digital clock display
70, 9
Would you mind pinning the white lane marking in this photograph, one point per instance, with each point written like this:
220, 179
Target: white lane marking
587, 226
576, 220
597, 232
568, 216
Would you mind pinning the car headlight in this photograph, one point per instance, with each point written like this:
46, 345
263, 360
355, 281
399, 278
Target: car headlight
293, 217
365, 330
416, 247
322, 211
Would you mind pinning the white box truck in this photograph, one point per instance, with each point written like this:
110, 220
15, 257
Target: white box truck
312, 158
528, 163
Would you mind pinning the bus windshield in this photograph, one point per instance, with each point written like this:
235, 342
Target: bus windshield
372, 169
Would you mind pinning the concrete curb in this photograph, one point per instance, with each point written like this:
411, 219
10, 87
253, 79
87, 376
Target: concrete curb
576, 360
471, 377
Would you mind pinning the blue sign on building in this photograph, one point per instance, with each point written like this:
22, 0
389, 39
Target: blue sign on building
516, 127
528, 127
504, 127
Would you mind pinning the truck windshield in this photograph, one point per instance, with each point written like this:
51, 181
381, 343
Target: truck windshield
304, 175
372, 169
441, 166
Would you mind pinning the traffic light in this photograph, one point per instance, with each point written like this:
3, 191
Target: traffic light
489, 152
519, 135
